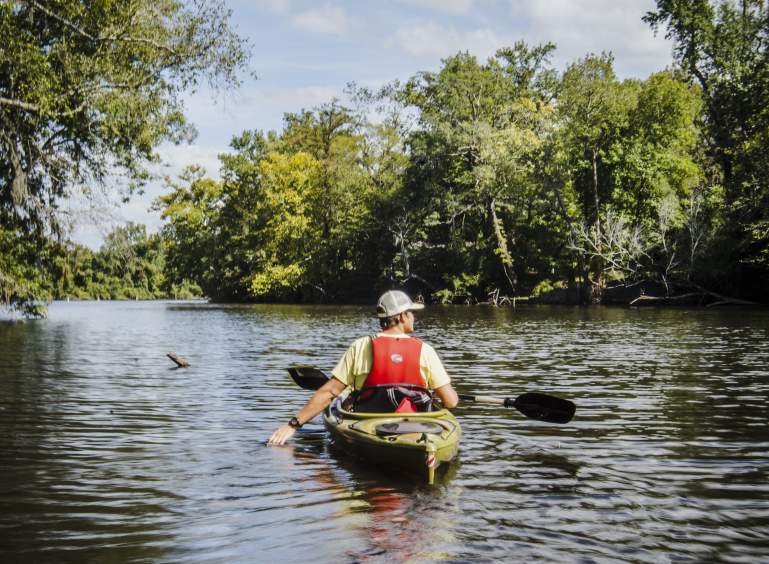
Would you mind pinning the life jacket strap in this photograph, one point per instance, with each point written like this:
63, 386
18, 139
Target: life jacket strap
389, 398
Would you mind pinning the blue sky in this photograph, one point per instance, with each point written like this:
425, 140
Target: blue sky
305, 52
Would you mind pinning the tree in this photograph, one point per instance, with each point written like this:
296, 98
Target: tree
291, 218
341, 204
627, 164
89, 90
23, 280
192, 210
593, 111
481, 132
289, 237
661, 171
723, 46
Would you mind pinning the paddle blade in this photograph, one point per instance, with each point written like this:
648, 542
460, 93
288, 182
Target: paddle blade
308, 377
543, 407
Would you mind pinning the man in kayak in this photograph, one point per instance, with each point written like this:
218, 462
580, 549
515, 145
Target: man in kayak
392, 357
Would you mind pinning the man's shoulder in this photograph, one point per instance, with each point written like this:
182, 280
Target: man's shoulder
361, 342
427, 348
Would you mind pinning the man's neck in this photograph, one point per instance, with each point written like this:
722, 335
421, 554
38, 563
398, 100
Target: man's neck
394, 330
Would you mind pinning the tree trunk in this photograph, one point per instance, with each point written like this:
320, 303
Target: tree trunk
502, 251
596, 278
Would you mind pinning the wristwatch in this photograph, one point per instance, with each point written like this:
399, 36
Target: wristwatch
294, 423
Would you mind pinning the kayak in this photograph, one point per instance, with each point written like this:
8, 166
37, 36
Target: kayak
418, 443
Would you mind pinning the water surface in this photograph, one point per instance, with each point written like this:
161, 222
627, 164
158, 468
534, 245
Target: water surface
108, 453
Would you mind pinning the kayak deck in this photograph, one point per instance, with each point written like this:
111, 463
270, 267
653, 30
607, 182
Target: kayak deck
415, 442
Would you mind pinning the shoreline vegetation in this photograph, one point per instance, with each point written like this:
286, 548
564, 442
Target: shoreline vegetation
473, 183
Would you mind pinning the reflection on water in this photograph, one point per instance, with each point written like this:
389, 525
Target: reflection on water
108, 453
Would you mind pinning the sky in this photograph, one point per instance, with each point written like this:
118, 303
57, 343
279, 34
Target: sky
305, 52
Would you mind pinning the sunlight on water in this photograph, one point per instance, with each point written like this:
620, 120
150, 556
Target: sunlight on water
108, 453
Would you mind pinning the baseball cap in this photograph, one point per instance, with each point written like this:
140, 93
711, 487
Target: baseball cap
395, 302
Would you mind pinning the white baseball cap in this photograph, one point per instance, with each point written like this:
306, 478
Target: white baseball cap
394, 303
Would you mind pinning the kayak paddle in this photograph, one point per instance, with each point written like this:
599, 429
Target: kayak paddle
533, 405
308, 377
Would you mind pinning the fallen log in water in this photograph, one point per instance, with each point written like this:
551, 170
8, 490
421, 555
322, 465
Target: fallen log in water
702, 293
646, 299
180, 361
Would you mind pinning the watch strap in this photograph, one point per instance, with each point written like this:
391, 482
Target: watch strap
294, 423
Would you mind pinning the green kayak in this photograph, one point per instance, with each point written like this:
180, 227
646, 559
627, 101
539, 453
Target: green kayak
415, 442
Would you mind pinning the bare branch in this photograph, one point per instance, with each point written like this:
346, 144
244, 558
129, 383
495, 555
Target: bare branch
62, 20
19, 104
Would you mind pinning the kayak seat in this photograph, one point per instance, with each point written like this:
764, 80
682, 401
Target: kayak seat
405, 427
391, 398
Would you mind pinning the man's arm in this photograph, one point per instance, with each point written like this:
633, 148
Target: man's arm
447, 395
317, 403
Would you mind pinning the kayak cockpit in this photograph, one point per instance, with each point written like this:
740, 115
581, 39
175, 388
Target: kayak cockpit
418, 442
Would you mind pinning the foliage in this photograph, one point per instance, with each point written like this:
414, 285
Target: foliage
89, 89
192, 210
476, 179
629, 164
292, 217
482, 128
723, 47
23, 280
476, 182
129, 265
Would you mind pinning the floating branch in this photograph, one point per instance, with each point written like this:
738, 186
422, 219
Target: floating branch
180, 361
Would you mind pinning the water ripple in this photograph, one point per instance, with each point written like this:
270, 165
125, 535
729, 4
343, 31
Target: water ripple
108, 453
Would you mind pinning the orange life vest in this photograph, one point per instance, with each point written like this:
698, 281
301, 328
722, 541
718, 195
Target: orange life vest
396, 361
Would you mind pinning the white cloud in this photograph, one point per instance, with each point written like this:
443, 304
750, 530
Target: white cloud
263, 107
579, 27
450, 6
277, 6
295, 99
431, 39
94, 216
176, 158
327, 19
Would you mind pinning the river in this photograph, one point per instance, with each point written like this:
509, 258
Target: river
110, 454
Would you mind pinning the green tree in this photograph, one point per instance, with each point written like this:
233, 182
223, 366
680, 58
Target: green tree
290, 218
481, 132
288, 234
660, 171
192, 210
623, 166
341, 205
23, 278
723, 47
89, 90
593, 111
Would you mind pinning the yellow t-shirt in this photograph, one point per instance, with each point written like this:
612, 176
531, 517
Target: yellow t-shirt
354, 366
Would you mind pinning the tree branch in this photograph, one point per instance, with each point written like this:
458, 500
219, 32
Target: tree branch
19, 104
62, 20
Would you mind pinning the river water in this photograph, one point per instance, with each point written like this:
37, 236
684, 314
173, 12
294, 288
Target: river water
109, 454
